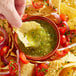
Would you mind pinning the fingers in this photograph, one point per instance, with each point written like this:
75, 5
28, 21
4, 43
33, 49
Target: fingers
20, 6
13, 17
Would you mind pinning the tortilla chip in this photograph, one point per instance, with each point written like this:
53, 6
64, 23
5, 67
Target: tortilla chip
69, 11
56, 3
28, 2
45, 11
27, 69
68, 72
72, 24
31, 11
71, 3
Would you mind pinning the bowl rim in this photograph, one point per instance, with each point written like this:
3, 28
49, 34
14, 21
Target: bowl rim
30, 18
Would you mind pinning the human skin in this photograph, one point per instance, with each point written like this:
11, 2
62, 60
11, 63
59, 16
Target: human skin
12, 10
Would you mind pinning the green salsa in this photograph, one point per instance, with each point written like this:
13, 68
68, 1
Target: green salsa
44, 38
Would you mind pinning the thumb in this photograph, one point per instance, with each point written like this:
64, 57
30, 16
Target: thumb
20, 6
13, 17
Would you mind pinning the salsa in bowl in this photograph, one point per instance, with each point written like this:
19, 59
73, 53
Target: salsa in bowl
38, 38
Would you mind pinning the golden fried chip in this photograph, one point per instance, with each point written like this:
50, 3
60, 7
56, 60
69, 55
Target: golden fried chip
69, 11
56, 3
27, 69
68, 72
31, 11
72, 23
71, 3
28, 2
45, 11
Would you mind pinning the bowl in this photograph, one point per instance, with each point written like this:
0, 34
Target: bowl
58, 38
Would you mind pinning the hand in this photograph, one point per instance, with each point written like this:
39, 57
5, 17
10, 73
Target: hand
12, 10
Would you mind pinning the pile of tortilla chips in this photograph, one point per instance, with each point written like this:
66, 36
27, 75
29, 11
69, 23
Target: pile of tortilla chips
65, 66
